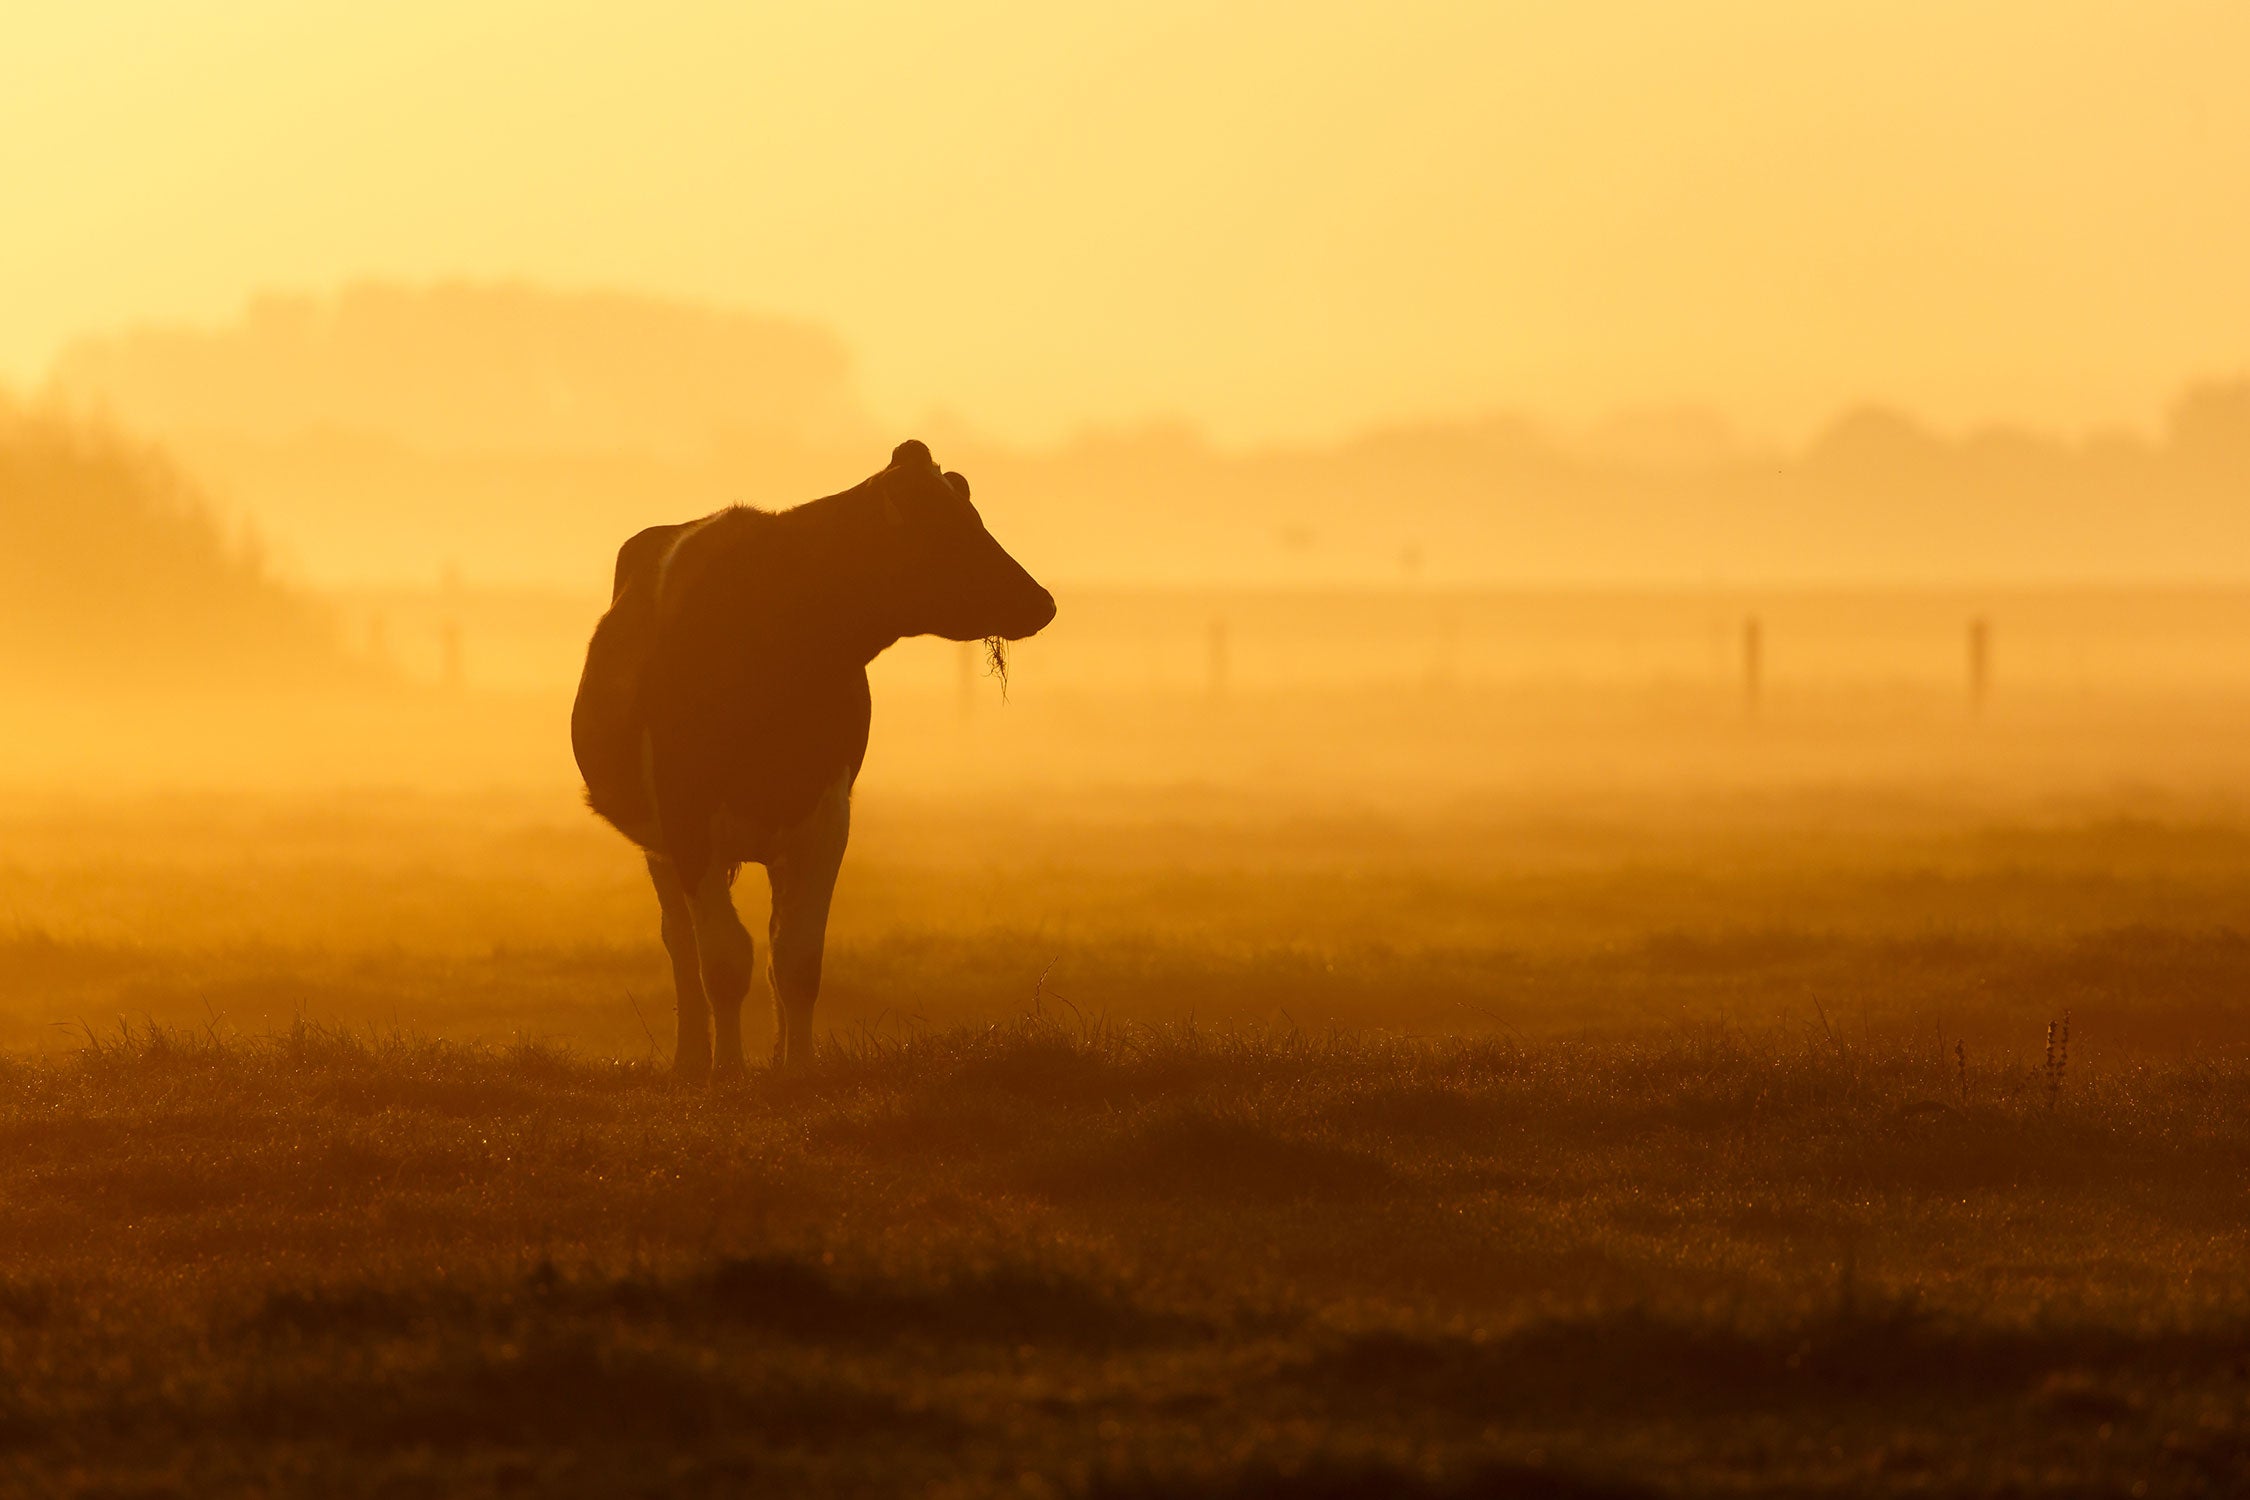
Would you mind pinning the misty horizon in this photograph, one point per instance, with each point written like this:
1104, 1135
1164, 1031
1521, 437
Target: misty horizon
389, 433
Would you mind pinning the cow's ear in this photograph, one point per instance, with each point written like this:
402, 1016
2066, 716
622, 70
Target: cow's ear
959, 483
913, 451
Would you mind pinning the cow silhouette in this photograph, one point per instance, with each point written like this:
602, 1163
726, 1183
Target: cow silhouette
723, 713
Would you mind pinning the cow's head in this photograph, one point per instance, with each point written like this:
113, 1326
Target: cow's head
951, 578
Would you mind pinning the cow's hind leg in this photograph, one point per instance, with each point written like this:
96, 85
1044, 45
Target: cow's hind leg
691, 1056
727, 955
804, 879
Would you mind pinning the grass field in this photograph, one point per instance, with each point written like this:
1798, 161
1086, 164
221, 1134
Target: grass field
1036, 1258
518, 917
1163, 1141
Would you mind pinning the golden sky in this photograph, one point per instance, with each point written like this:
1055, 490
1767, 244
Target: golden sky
1280, 220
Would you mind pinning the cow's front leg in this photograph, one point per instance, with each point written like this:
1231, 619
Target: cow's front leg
691, 1055
726, 955
804, 878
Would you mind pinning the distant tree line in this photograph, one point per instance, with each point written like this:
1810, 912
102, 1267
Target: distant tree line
114, 571
518, 433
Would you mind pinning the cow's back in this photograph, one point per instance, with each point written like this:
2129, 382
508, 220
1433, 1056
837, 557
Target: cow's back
607, 724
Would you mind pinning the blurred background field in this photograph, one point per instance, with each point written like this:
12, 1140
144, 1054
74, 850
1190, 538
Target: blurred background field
231, 797
1465, 726
1528, 860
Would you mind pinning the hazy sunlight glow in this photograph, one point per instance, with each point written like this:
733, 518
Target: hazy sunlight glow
1278, 221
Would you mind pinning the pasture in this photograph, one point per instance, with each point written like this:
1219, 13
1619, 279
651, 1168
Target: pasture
1029, 1259
1163, 1140
1534, 719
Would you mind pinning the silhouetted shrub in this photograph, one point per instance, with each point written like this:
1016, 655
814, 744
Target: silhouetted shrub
114, 571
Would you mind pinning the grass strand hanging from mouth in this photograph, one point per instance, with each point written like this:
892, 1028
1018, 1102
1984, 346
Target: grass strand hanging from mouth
996, 662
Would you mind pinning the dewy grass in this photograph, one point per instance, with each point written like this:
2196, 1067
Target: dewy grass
279, 1228
2058, 1057
948, 1257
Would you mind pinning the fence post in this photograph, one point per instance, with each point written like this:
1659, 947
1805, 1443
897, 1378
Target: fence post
1753, 663
450, 666
451, 670
1980, 663
1445, 666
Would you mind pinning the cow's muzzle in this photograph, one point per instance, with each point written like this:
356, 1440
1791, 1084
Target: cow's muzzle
1037, 613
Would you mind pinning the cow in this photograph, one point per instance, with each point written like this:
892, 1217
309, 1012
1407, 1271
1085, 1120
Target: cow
723, 713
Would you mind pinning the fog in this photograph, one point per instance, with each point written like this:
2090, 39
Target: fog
504, 434
1623, 869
